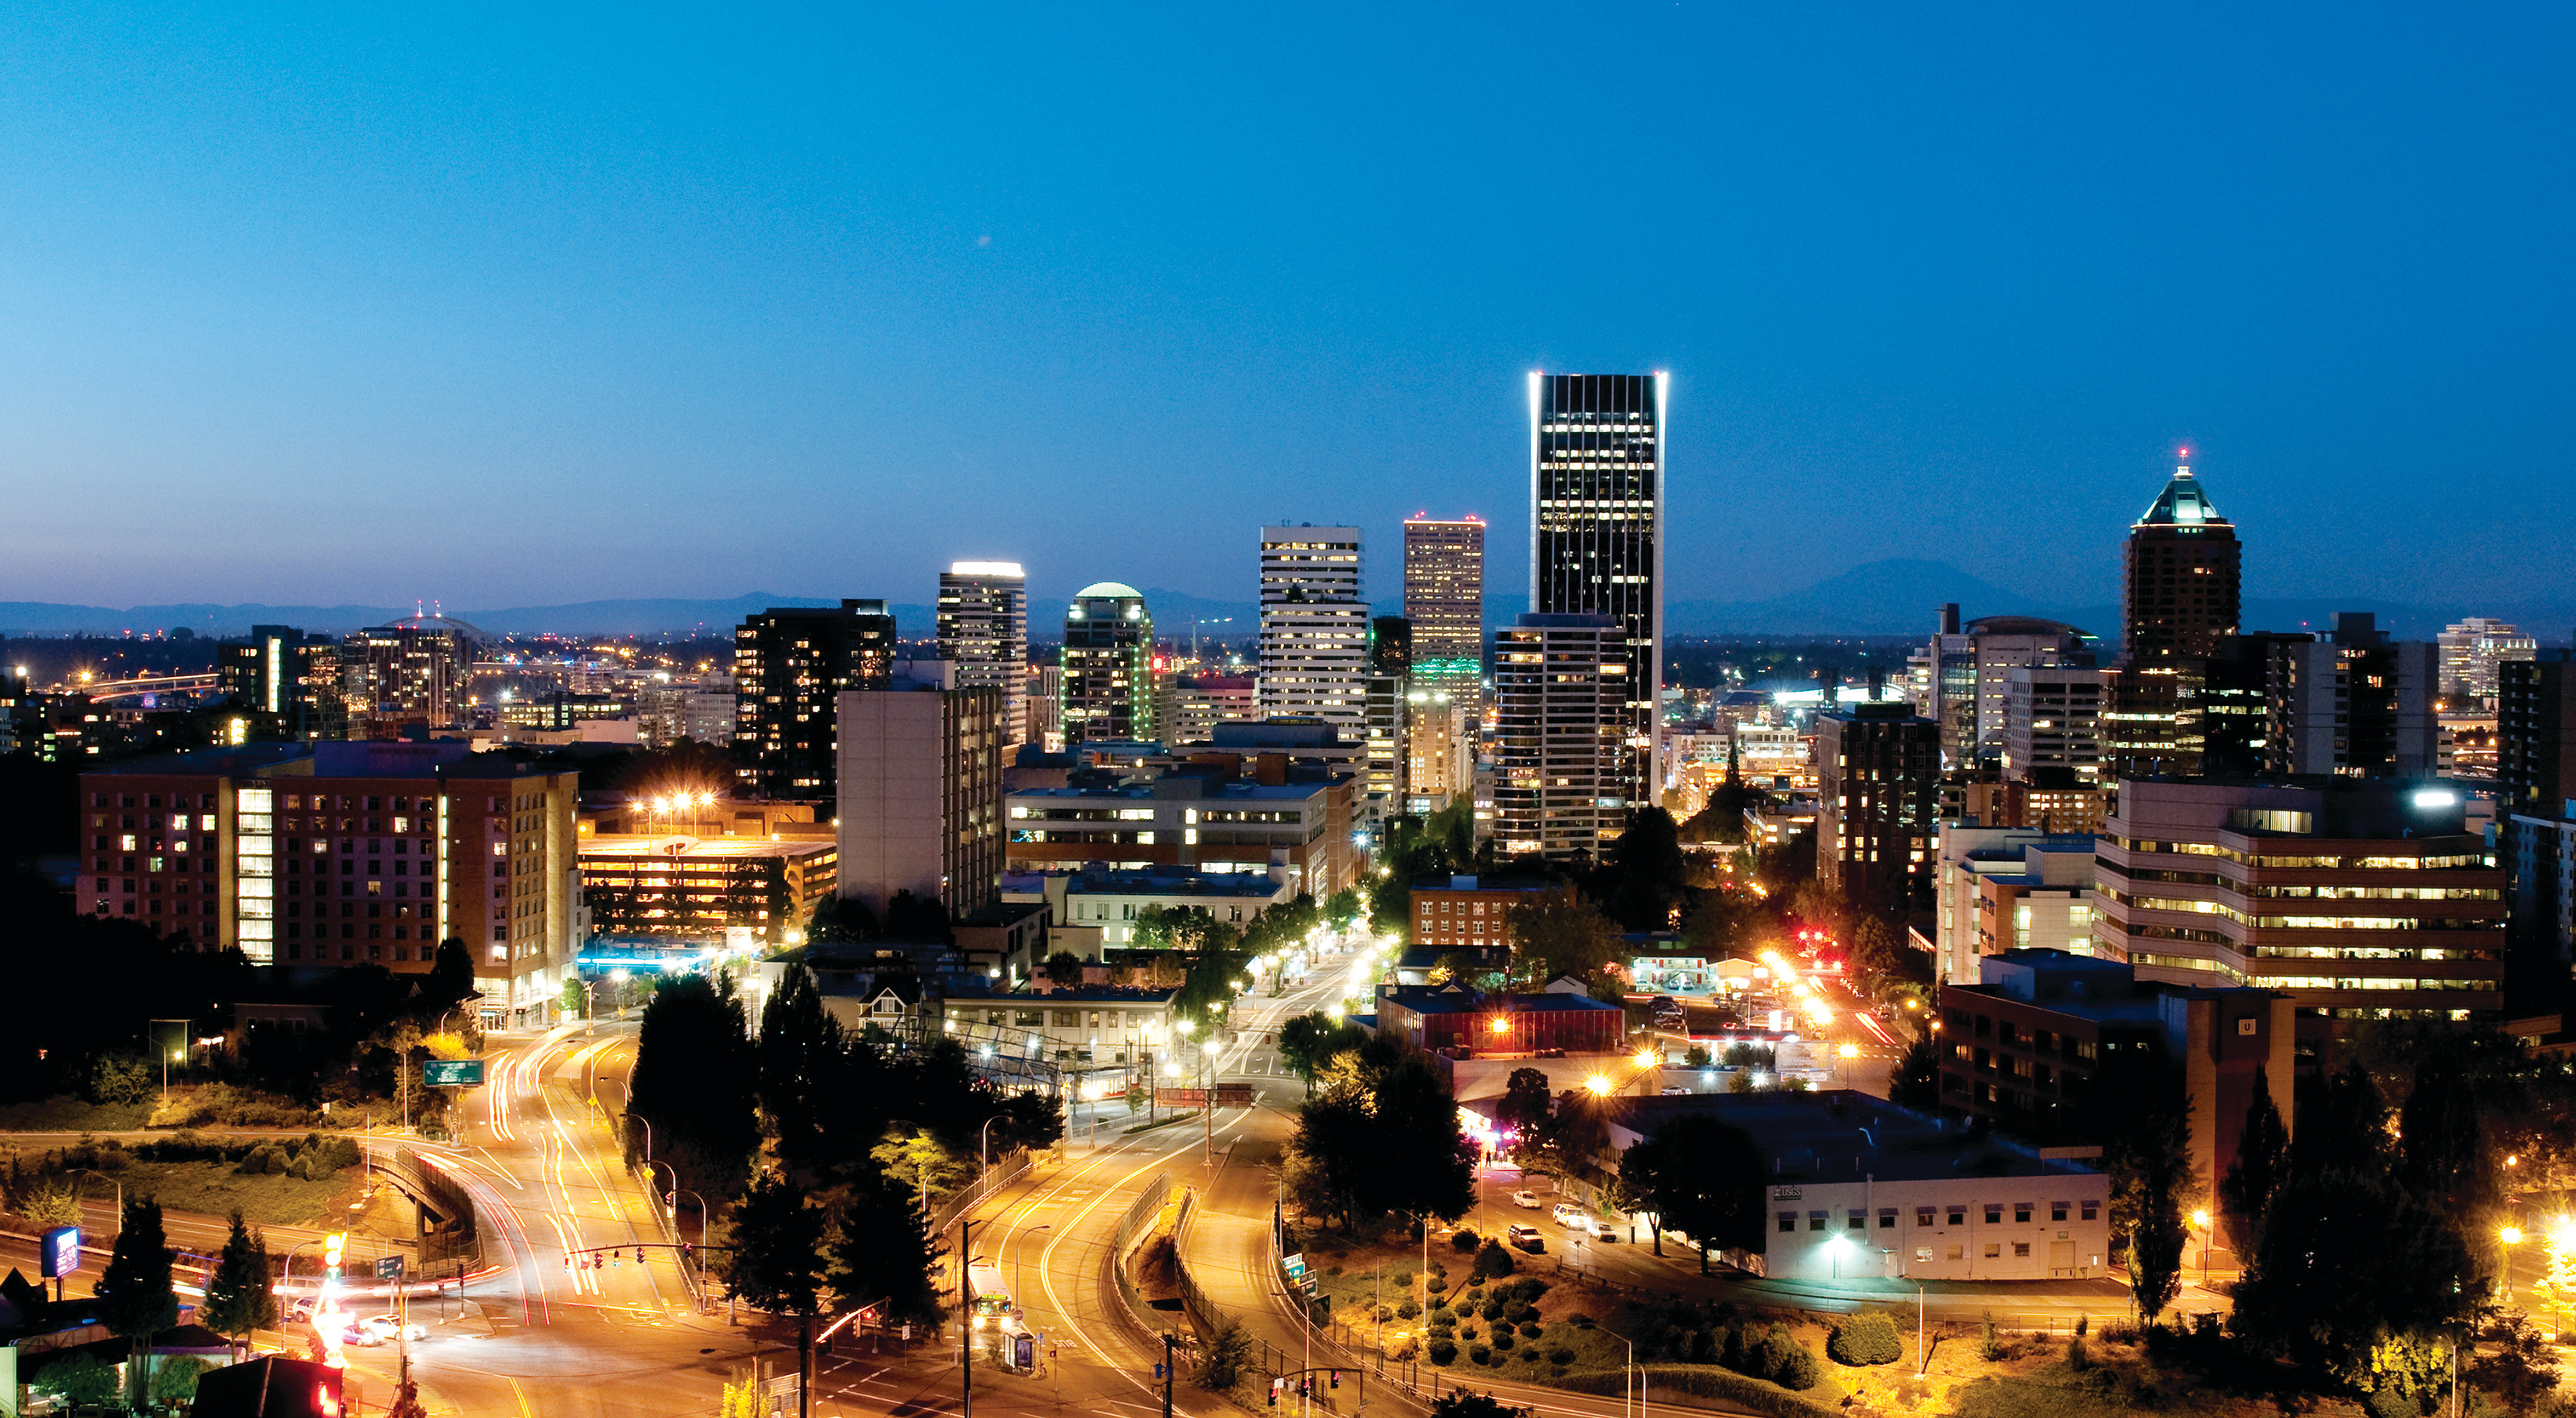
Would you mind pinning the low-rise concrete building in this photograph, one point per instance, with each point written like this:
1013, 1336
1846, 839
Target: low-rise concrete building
1453, 1016
1854, 1187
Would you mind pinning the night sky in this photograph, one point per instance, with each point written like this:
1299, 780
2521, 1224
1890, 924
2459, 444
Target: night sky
525, 305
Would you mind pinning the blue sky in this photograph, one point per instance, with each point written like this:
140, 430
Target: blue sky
519, 305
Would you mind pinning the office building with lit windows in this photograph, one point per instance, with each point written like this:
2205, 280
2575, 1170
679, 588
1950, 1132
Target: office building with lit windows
1314, 625
1108, 660
983, 629
2179, 602
1444, 602
2361, 899
1561, 702
2470, 651
789, 666
321, 856
408, 675
920, 800
1878, 779
1597, 448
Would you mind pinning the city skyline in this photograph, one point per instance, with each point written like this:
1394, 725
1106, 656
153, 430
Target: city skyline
664, 292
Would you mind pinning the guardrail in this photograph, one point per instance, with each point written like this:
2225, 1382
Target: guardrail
1006, 1169
1205, 1317
458, 1238
1141, 1212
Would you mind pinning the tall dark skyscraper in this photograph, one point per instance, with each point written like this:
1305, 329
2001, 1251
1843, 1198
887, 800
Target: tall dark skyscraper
1597, 535
789, 666
2179, 600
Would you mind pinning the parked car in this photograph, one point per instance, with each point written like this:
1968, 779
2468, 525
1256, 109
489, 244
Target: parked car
1526, 1199
1526, 1238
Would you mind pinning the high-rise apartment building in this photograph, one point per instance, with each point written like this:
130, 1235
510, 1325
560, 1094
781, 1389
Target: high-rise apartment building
789, 666
411, 674
1878, 788
281, 671
1189, 707
2353, 702
697, 707
1383, 787
2361, 900
921, 790
983, 630
1108, 688
1561, 702
1314, 625
2536, 823
2179, 601
1444, 601
2471, 650
1597, 449
327, 855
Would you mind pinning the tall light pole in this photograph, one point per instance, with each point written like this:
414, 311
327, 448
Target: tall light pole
2512, 1237
111, 1181
2200, 1219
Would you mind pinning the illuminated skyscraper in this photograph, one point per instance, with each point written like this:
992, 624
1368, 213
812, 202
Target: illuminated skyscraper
1108, 665
1444, 600
1314, 625
2179, 575
1597, 535
1561, 698
984, 630
790, 664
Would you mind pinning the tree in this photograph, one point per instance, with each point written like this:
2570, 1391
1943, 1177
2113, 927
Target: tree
1560, 933
2262, 1164
574, 1001
1343, 907
778, 1256
917, 1159
2152, 1191
1064, 969
2343, 1126
2347, 1263
1461, 1404
1645, 877
1313, 1039
1382, 1131
1524, 1106
2519, 1368
2441, 1153
175, 1380
240, 1297
83, 1381
882, 1255
1700, 1176
692, 1058
1915, 1081
798, 1055
135, 1296
1221, 1363
451, 979
1878, 954
841, 920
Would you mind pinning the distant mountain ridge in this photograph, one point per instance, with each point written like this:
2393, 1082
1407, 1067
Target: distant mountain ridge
1898, 596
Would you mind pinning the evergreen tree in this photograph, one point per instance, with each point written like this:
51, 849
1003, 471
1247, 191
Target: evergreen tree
2343, 1126
240, 1297
2152, 1192
882, 1256
2441, 1154
798, 1053
693, 1056
135, 1297
2262, 1164
1915, 1081
1699, 1176
778, 1256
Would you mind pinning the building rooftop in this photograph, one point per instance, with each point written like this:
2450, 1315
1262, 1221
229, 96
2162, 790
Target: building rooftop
2182, 503
1840, 1134
359, 759
1448, 882
1456, 999
1251, 885
1211, 789
676, 848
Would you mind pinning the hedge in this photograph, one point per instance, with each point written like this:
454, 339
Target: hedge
1701, 1381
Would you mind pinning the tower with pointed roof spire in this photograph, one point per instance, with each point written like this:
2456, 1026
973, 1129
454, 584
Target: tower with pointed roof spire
2178, 576
2179, 601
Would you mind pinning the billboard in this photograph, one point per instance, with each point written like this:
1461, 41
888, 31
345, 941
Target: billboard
61, 1251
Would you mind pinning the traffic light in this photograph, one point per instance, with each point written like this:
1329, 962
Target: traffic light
639, 1255
1274, 1393
687, 1250
567, 1260
1337, 1378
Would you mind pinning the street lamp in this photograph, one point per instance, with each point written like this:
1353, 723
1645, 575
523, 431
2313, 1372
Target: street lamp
2512, 1237
2200, 1219
111, 1181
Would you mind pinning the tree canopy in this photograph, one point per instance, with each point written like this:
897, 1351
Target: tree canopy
1699, 1175
1382, 1135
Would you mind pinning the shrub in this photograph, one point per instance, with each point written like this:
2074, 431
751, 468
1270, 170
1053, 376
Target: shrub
1494, 1308
1560, 1357
1221, 1363
1788, 1363
1466, 1240
1523, 1312
1480, 1353
1406, 1308
121, 1080
1530, 1329
2080, 1322
1475, 1296
1579, 1321
1989, 1348
1493, 1261
2076, 1358
1443, 1352
1503, 1339
1865, 1338
1438, 1285
262, 1160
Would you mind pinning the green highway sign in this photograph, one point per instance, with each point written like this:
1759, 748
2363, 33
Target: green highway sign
455, 1073
389, 1267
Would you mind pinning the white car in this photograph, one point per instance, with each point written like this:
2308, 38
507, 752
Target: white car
1568, 1214
1601, 1230
1525, 1200
385, 1327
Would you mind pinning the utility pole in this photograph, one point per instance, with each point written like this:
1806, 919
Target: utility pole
1922, 1358
1168, 1360
965, 1325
